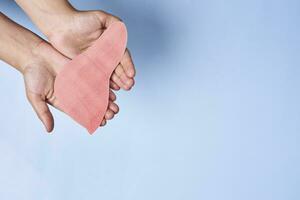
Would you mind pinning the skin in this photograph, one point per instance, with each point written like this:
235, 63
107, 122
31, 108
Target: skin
39, 63
71, 32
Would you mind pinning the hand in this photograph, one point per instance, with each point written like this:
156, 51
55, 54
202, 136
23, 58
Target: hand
39, 76
77, 31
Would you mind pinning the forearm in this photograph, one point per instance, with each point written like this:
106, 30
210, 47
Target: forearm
47, 14
17, 43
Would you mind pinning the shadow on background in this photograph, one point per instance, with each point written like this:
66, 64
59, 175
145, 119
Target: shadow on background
148, 31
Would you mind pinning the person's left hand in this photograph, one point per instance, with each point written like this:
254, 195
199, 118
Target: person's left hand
39, 76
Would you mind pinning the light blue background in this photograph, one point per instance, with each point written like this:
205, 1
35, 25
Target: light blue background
214, 115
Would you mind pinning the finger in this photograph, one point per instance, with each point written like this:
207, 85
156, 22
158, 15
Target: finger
123, 76
128, 65
103, 122
109, 114
118, 81
113, 85
42, 110
112, 96
106, 19
132, 82
114, 107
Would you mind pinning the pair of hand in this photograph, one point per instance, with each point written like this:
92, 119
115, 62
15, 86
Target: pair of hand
78, 33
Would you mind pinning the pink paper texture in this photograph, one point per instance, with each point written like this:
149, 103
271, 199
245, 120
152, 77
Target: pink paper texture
82, 86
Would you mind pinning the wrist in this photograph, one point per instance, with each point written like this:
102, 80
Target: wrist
31, 56
54, 21
43, 55
47, 15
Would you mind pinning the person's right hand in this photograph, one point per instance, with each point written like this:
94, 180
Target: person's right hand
39, 76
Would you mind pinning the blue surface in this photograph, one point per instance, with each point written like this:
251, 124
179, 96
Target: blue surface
214, 115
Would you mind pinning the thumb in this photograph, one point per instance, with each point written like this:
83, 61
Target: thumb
42, 110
